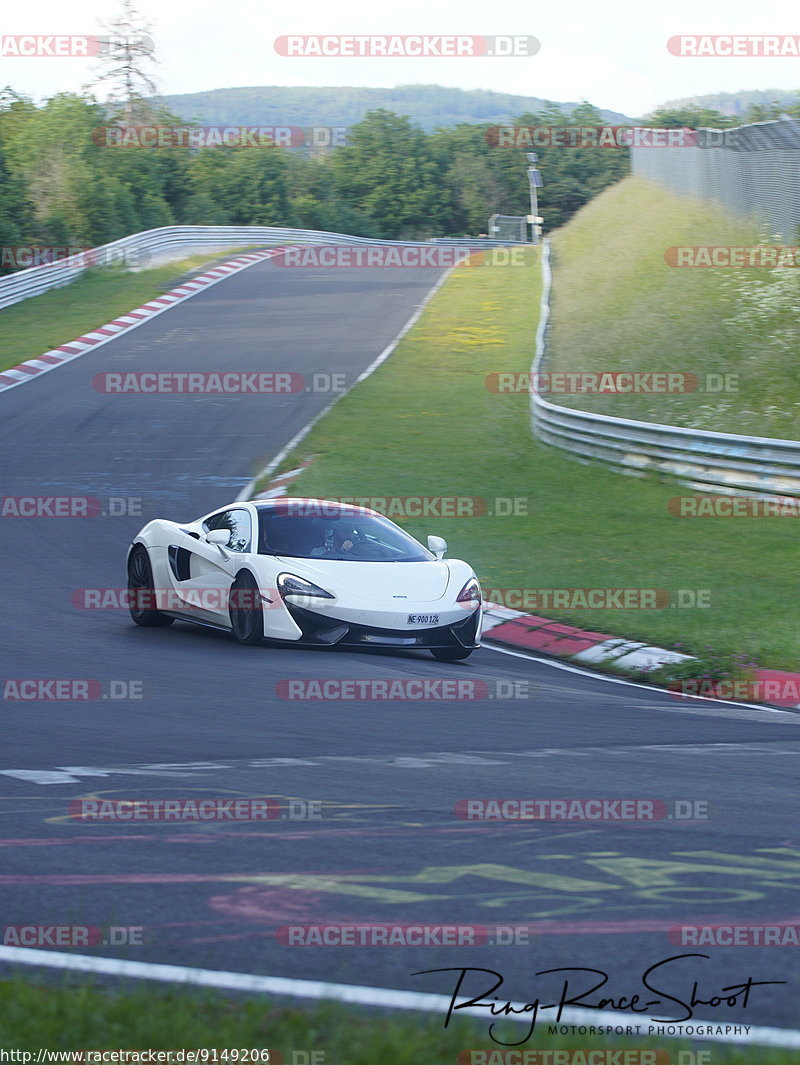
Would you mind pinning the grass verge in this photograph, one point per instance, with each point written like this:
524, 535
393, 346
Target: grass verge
99, 295
618, 306
425, 424
85, 1017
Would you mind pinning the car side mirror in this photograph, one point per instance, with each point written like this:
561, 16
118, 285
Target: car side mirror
437, 546
219, 537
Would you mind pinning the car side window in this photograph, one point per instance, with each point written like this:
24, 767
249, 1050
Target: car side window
238, 523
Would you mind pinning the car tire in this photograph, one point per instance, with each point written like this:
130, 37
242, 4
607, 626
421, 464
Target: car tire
140, 585
451, 654
247, 620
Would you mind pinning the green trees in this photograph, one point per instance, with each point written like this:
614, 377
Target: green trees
62, 184
15, 208
79, 192
45, 153
237, 186
692, 116
390, 175
472, 178
571, 176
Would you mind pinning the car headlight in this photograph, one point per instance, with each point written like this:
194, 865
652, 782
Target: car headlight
471, 592
289, 584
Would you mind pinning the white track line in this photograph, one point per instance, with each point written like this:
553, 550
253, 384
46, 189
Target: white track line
583, 672
357, 994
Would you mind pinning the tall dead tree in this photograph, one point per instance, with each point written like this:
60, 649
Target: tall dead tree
126, 52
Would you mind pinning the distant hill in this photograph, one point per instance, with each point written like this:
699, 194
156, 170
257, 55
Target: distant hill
427, 106
737, 103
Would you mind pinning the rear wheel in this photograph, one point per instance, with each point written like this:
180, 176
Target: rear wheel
141, 594
451, 654
247, 620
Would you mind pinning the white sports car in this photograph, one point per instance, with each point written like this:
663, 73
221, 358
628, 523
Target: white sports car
311, 571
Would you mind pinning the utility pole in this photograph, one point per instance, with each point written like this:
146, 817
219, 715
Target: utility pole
535, 182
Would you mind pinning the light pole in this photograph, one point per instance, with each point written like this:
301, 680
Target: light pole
535, 182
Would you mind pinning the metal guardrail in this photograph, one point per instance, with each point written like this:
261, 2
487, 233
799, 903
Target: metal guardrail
475, 242
38, 279
711, 462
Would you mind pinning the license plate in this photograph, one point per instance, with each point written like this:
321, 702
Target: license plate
423, 619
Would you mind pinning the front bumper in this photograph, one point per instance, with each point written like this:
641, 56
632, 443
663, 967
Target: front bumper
319, 628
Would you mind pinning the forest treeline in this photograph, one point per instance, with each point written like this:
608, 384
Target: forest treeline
61, 185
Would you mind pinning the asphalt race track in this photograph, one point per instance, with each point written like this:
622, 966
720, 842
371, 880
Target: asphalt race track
381, 841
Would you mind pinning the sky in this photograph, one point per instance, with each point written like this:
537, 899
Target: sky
613, 54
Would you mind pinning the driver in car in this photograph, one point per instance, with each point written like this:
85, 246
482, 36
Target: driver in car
335, 541
344, 540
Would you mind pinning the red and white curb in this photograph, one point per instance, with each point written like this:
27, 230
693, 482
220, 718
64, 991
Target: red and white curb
527, 632
32, 368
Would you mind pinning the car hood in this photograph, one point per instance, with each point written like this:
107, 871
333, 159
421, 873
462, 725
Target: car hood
375, 581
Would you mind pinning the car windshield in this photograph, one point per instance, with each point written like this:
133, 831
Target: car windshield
336, 536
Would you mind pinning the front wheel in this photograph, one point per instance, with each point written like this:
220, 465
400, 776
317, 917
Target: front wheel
451, 654
141, 594
247, 620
